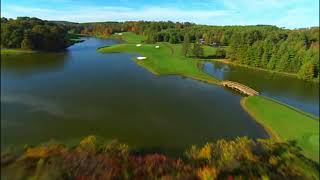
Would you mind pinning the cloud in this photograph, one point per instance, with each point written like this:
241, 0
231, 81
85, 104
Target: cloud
118, 13
212, 12
35, 104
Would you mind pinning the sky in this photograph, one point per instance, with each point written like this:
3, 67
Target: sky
282, 13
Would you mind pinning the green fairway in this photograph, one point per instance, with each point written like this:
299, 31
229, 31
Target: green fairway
15, 51
129, 37
166, 60
286, 123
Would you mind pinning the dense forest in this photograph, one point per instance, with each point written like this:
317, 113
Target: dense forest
33, 34
93, 158
263, 46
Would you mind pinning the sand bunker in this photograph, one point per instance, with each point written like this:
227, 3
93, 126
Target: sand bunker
141, 58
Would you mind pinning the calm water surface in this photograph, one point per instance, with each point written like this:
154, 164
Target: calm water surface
300, 94
72, 94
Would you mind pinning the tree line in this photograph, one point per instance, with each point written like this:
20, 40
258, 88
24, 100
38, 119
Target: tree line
93, 158
33, 34
292, 51
263, 46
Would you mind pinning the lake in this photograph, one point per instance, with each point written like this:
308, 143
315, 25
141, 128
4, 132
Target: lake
290, 90
69, 95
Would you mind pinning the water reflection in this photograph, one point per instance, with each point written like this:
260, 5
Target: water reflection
33, 63
300, 94
109, 95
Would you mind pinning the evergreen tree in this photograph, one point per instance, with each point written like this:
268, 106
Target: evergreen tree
283, 61
307, 71
197, 50
274, 58
267, 52
186, 45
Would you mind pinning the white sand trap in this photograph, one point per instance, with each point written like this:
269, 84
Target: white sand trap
120, 34
157, 47
141, 58
138, 45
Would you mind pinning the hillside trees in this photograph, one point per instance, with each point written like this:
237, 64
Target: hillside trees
262, 46
32, 33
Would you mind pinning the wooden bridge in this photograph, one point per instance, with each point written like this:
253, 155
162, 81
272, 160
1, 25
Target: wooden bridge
240, 87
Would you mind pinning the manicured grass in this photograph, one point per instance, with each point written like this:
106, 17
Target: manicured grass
129, 37
286, 123
281, 121
209, 50
15, 51
167, 60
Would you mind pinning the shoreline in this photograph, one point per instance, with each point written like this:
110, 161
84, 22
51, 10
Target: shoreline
273, 135
13, 51
274, 124
225, 61
181, 75
183, 72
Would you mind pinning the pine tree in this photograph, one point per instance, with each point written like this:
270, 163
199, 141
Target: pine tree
186, 45
197, 50
283, 63
306, 71
267, 50
274, 58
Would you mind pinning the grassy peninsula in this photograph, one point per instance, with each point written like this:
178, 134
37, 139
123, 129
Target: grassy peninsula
281, 121
165, 60
286, 123
128, 37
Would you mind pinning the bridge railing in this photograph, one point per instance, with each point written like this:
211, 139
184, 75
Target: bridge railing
243, 88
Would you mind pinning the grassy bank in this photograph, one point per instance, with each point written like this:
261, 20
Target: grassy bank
285, 123
226, 61
128, 37
15, 51
95, 158
281, 121
166, 60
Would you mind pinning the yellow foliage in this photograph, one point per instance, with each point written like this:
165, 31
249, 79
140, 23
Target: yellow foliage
44, 151
193, 152
273, 160
38, 152
207, 173
117, 148
90, 140
205, 152
229, 153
